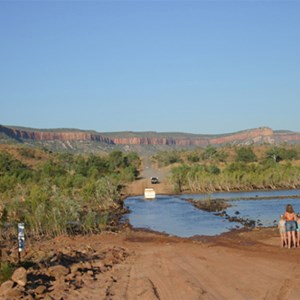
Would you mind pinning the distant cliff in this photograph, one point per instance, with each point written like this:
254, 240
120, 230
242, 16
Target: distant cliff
259, 135
39, 135
69, 136
287, 136
160, 141
254, 135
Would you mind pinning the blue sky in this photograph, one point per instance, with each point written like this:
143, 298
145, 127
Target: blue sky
188, 66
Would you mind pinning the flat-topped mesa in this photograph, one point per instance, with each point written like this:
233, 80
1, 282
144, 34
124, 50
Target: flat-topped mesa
155, 141
245, 137
54, 135
258, 134
287, 136
201, 141
144, 141
160, 141
262, 134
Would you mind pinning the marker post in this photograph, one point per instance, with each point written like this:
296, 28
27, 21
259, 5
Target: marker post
21, 239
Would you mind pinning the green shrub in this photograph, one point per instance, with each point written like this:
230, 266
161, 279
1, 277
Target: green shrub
245, 154
6, 271
165, 158
67, 189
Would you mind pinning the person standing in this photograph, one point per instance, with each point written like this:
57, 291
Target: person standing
291, 219
282, 231
298, 230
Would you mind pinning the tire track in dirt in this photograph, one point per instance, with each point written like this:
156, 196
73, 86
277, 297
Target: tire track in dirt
285, 290
140, 286
174, 271
164, 270
154, 290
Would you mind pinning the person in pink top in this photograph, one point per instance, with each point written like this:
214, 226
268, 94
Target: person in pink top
291, 226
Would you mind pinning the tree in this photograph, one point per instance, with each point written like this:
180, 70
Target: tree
274, 154
245, 154
116, 160
278, 154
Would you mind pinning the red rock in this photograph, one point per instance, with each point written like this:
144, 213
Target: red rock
58, 271
6, 286
20, 276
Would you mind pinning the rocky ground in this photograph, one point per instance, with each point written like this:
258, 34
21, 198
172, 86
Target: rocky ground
144, 265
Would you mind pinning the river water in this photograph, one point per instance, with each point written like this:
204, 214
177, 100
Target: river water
175, 216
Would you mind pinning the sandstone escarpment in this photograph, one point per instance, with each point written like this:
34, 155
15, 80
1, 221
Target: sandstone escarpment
144, 141
161, 141
21, 134
287, 136
255, 135
251, 136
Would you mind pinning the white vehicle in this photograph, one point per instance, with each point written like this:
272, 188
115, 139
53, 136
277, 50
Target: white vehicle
149, 193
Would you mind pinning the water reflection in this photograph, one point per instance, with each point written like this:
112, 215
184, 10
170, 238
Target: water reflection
173, 215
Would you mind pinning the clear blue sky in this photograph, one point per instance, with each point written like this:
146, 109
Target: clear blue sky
189, 66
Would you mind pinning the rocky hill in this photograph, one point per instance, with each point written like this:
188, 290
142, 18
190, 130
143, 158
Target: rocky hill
92, 141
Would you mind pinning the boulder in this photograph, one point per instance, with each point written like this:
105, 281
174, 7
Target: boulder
40, 290
6, 287
58, 271
20, 276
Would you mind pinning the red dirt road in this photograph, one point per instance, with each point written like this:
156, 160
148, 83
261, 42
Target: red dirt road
239, 265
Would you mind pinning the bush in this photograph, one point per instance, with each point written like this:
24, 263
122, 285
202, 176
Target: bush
165, 158
277, 154
6, 271
213, 169
209, 153
245, 154
193, 157
65, 190
26, 152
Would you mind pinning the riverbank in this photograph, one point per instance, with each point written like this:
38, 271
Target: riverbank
143, 265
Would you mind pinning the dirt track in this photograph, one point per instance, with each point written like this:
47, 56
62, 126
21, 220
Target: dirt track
178, 269
245, 265
149, 170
